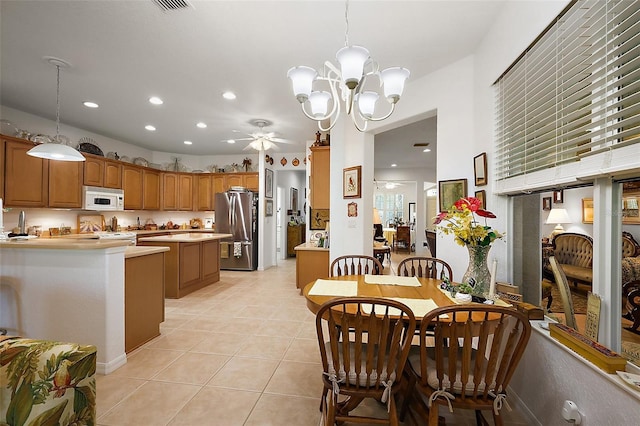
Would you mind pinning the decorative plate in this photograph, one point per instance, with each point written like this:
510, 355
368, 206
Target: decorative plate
283, 161
295, 162
89, 146
632, 380
40, 138
125, 159
113, 155
139, 161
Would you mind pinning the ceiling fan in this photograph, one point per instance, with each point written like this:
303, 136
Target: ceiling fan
261, 140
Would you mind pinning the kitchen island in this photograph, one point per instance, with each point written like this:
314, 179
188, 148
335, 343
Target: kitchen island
67, 290
193, 260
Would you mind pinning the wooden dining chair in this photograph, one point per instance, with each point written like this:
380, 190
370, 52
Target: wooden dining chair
425, 267
365, 362
402, 239
431, 241
472, 367
355, 264
565, 293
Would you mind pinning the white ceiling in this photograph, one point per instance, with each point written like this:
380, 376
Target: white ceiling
123, 52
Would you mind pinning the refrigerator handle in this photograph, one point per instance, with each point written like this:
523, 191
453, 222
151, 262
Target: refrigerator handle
232, 209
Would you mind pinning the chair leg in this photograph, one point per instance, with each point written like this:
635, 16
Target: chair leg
323, 398
433, 414
549, 300
406, 396
331, 409
497, 419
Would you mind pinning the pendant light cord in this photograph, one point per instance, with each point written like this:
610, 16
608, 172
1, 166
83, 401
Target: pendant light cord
58, 104
346, 23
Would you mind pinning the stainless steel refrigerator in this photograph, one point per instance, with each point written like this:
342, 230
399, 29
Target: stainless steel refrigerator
237, 214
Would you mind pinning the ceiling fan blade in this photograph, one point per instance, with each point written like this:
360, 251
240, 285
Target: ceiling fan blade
280, 140
421, 144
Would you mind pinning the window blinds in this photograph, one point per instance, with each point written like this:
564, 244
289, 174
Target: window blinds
574, 92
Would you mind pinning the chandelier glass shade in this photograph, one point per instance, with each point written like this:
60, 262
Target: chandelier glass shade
347, 83
56, 149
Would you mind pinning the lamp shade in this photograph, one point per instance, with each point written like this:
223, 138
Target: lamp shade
367, 103
393, 80
319, 103
557, 216
56, 151
302, 79
376, 217
352, 60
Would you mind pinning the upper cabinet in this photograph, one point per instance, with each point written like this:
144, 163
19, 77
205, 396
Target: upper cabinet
204, 191
320, 177
26, 177
93, 171
177, 191
65, 188
151, 190
132, 186
112, 174
185, 192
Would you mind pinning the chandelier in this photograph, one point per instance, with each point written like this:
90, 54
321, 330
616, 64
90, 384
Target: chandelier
347, 84
57, 149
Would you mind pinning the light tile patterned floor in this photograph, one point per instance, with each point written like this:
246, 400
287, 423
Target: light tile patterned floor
240, 352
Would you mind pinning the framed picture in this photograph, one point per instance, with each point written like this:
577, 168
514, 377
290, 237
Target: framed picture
351, 177
294, 199
352, 210
587, 210
318, 219
546, 203
480, 169
450, 191
482, 196
558, 197
208, 223
268, 207
268, 183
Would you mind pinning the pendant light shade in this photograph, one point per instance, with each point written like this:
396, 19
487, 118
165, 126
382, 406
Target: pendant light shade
352, 59
56, 150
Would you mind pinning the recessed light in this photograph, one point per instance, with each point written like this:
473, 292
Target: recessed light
426, 150
201, 125
394, 165
229, 95
150, 128
156, 100
90, 104
231, 141
188, 143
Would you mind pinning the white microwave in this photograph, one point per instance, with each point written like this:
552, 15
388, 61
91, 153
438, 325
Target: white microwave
102, 199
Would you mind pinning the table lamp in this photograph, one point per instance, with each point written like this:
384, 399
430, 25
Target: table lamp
557, 216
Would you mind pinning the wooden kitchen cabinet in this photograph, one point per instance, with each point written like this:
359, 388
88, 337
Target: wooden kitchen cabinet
204, 193
252, 181
102, 172
132, 184
25, 177
295, 236
320, 177
169, 191
112, 174
185, 192
93, 171
65, 188
311, 263
150, 190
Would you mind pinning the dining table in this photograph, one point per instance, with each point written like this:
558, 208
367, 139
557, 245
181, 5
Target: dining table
420, 294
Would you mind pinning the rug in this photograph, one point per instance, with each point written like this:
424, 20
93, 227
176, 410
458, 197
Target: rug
579, 297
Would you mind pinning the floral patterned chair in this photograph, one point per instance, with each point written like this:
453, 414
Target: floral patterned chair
45, 382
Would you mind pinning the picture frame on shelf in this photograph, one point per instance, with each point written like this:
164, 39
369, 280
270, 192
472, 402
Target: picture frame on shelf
482, 196
268, 183
268, 207
480, 169
546, 203
318, 219
351, 181
450, 191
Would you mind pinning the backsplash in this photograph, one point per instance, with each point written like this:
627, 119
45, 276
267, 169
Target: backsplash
53, 218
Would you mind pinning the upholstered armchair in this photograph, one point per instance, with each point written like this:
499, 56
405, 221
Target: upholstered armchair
46, 383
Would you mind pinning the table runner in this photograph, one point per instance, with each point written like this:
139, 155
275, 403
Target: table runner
392, 280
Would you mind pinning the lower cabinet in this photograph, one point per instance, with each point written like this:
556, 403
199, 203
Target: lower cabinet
143, 299
189, 266
311, 263
295, 237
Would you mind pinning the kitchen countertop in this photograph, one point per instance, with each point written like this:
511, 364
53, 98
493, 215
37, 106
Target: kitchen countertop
185, 238
63, 243
310, 246
142, 232
136, 251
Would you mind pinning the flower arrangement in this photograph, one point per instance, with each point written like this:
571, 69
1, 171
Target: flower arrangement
460, 220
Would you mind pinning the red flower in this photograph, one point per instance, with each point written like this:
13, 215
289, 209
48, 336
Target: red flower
485, 213
441, 216
472, 203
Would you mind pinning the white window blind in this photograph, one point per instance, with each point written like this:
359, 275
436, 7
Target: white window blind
574, 92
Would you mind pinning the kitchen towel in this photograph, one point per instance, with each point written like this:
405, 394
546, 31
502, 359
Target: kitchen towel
237, 249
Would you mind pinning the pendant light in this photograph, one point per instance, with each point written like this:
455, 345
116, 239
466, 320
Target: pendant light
56, 149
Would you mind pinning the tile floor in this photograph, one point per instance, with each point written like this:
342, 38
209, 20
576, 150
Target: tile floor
240, 352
